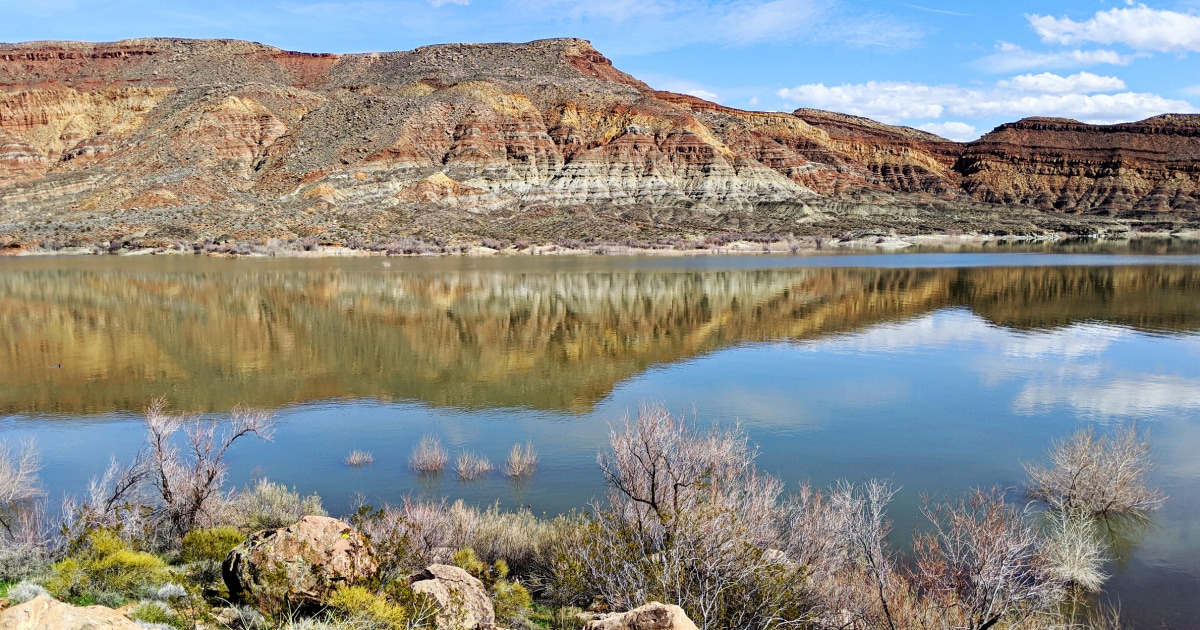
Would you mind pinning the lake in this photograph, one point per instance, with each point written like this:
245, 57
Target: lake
940, 372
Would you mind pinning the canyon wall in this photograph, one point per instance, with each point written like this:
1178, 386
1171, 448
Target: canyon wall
158, 141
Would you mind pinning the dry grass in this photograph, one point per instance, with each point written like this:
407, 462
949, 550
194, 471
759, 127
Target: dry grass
1096, 474
522, 461
428, 456
359, 458
471, 466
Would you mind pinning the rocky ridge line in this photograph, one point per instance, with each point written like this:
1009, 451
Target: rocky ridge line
156, 141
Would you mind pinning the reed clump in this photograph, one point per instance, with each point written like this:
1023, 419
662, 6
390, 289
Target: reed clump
522, 461
428, 456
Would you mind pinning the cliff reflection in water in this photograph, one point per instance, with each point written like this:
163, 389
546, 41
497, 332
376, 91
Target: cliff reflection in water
210, 338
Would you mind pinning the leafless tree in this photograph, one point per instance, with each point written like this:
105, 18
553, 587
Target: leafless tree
983, 563
1097, 474
187, 480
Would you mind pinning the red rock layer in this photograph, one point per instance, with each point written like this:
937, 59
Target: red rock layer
441, 138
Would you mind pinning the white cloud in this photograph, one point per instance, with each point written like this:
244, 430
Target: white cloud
1049, 83
953, 130
1138, 27
1139, 397
704, 94
1012, 58
681, 86
894, 101
438, 3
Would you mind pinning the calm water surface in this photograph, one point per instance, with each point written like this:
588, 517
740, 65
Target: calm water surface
940, 372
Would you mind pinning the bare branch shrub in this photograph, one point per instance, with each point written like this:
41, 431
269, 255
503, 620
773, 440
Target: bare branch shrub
1075, 551
188, 480
428, 456
19, 474
1096, 474
522, 461
471, 466
984, 563
359, 458
690, 520
26, 537
268, 505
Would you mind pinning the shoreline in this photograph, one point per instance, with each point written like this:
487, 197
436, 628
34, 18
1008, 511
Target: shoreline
722, 246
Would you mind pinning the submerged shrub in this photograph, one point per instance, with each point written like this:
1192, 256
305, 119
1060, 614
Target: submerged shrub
1096, 474
428, 456
104, 564
522, 461
1075, 551
471, 466
359, 458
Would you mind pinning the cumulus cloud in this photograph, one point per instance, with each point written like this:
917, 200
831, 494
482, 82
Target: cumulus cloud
1138, 27
1049, 83
1013, 58
953, 130
1027, 95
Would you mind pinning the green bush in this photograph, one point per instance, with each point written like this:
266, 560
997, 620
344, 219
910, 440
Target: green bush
156, 613
359, 604
510, 600
210, 544
101, 564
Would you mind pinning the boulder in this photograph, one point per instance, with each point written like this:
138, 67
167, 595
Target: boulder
461, 599
299, 566
44, 613
652, 616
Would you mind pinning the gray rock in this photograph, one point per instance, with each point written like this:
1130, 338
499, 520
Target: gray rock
652, 616
462, 600
299, 566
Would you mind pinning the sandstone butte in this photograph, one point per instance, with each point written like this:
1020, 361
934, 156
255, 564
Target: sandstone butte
159, 141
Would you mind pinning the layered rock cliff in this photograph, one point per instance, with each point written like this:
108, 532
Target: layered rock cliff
160, 141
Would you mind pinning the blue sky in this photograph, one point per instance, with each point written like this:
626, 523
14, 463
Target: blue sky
954, 68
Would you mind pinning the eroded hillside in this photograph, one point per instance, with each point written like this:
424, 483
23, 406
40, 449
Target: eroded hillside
158, 141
